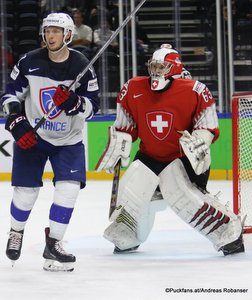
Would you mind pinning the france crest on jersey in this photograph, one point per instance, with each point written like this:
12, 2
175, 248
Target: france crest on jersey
46, 102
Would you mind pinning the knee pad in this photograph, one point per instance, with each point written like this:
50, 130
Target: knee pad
132, 220
202, 211
24, 197
21, 205
66, 193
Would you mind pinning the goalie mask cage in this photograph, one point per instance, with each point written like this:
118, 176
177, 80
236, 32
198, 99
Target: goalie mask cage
242, 157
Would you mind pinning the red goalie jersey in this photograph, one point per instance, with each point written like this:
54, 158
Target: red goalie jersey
158, 118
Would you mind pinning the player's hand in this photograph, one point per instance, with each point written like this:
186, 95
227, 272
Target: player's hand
21, 130
119, 147
197, 149
68, 101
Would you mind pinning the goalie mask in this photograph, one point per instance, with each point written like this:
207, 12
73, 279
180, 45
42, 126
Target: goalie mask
61, 20
164, 65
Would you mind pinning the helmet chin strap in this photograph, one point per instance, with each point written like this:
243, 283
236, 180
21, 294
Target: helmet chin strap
57, 51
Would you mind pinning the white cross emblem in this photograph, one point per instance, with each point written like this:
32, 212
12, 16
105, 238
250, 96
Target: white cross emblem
159, 124
154, 84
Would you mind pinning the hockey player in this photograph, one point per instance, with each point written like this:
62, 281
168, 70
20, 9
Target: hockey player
38, 82
176, 122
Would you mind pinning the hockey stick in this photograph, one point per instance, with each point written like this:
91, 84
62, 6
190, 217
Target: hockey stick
93, 60
115, 186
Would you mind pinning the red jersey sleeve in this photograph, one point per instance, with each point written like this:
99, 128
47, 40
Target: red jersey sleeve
205, 116
124, 119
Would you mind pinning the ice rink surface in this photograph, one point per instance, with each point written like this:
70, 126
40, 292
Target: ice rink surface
174, 257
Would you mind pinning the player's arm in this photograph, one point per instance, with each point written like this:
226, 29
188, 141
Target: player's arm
17, 86
16, 122
121, 135
196, 145
124, 118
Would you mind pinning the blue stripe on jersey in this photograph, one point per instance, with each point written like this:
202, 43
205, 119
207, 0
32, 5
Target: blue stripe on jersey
19, 214
18, 86
60, 214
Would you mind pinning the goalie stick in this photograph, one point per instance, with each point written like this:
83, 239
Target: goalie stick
115, 186
93, 60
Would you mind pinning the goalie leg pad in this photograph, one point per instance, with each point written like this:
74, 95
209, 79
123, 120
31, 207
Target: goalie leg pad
202, 211
132, 219
122, 232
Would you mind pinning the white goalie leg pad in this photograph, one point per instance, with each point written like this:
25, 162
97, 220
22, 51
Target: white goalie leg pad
131, 219
202, 211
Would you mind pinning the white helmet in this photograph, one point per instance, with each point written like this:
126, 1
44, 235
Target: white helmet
59, 20
164, 65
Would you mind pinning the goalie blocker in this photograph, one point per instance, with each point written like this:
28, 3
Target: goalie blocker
133, 218
118, 147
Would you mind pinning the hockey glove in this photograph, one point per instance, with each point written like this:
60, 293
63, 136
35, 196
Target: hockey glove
119, 147
68, 101
21, 130
185, 74
196, 148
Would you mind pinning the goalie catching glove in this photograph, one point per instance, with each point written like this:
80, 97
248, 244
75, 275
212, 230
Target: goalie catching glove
119, 147
196, 147
185, 74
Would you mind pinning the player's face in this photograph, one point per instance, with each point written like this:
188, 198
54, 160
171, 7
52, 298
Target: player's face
54, 38
158, 68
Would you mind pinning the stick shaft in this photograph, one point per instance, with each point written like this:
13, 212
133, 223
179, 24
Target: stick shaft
43, 119
93, 60
115, 186
108, 42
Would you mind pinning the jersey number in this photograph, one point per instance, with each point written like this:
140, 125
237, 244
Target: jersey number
206, 94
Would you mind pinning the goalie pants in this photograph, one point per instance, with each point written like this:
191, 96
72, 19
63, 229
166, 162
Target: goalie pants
157, 167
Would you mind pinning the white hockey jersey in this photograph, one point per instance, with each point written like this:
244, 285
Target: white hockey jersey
33, 82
